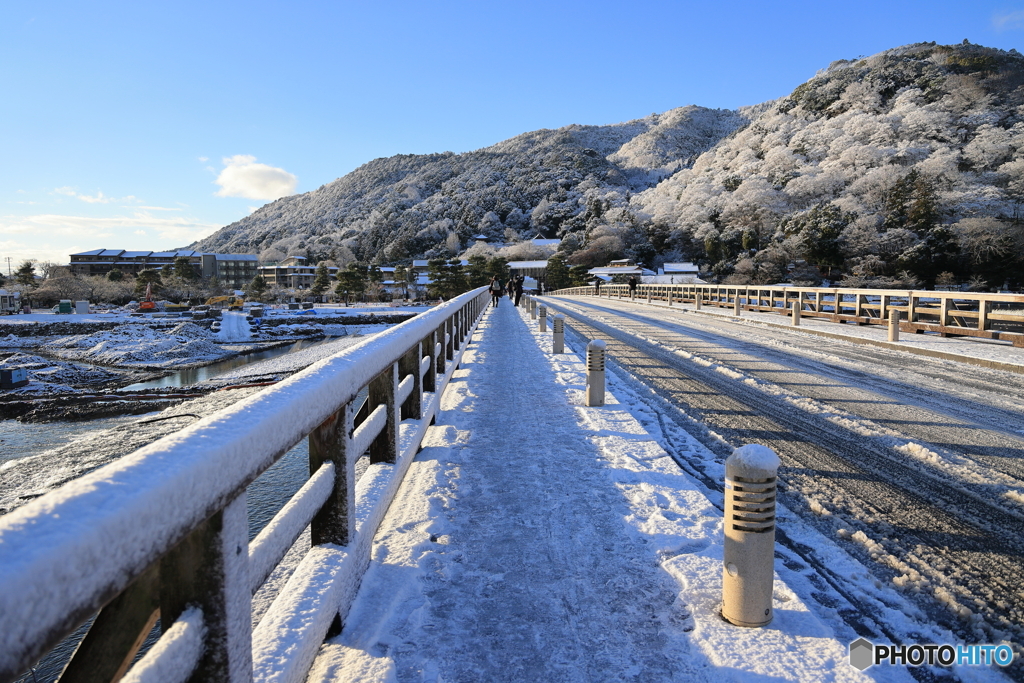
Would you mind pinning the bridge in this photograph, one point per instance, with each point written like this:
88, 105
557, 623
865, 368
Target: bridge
537, 573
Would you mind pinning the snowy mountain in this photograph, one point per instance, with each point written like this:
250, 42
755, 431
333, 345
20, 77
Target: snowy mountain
410, 205
898, 167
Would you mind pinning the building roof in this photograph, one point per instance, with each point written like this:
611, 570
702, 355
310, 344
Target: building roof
620, 270
672, 268
234, 257
544, 242
94, 252
522, 265
111, 252
135, 254
420, 264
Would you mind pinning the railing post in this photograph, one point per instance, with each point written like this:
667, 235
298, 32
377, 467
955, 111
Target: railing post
749, 554
427, 351
883, 306
558, 334
945, 305
335, 523
449, 344
983, 310
912, 307
409, 364
894, 325
382, 392
438, 352
208, 569
595, 372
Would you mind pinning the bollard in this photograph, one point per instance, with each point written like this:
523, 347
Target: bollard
748, 571
736, 305
558, 334
543, 318
533, 309
894, 325
697, 300
670, 298
649, 296
595, 372
796, 313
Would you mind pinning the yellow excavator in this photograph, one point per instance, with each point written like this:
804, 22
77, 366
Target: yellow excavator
233, 303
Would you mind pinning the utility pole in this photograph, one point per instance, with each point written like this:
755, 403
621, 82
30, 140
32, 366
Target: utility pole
8, 266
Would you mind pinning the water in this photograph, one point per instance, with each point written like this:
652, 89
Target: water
189, 376
21, 440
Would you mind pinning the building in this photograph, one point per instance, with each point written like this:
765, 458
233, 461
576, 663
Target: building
233, 270
293, 273
620, 271
684, 269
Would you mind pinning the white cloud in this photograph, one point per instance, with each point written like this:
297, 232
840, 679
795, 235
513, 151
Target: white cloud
93, 233
203, 160
100, 198
243, 177
1008, 20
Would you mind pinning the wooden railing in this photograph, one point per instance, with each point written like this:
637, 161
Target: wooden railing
993, 316
163, 532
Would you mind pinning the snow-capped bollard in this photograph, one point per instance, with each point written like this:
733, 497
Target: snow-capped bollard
649, 295
558, 334
533, 309
670, 297
697, 300
736, 310
595, 372
748, 574
543, 318
894, 325
796, 313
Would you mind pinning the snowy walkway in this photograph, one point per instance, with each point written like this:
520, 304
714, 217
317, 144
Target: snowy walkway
535, 539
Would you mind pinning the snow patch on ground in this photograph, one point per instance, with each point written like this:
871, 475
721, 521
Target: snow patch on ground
138, 346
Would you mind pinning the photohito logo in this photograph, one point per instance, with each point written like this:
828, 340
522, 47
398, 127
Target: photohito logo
864, 653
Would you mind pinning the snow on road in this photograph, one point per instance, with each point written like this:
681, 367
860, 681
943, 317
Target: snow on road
233, 327
536, 539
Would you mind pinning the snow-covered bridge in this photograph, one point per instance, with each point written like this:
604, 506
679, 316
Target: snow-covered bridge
532, 537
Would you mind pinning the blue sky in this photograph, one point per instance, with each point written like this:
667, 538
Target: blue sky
147, 126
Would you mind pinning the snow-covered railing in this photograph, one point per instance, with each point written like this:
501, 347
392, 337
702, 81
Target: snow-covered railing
969, 314
163, 532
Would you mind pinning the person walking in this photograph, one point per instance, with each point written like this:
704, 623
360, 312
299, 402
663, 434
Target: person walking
518, 288
496, 290
632, 286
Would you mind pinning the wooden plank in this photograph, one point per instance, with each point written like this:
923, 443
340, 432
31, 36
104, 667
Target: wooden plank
336, 520
117, 633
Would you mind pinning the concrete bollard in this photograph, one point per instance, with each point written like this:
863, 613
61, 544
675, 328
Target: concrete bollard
697, 301
543, 318
796, 313
894, 325
595, 372
748, 572
649, 296
670, 298
533, 310
558, 334
736, 310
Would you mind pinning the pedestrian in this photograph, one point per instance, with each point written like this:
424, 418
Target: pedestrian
632, 286
519, 288
496, 290
510, 288
597, 286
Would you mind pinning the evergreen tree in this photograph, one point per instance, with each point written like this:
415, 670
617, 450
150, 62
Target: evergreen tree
183, 269
26, 274
498, 267
557, 274
322, 281
256, 288
150, 276
477, 272
351, 281
115, 275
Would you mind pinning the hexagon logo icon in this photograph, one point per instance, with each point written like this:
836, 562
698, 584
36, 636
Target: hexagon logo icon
862, 654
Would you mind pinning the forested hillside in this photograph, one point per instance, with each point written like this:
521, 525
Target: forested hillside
900, 168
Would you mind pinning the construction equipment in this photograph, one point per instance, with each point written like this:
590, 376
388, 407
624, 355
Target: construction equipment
148, 305
233, 303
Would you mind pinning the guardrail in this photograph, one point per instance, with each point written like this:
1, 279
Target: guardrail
992, 316
163, 532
